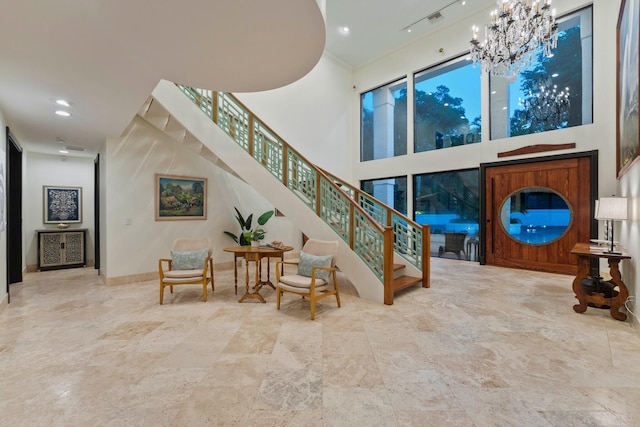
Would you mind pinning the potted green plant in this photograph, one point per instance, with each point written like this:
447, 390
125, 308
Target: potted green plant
248, 234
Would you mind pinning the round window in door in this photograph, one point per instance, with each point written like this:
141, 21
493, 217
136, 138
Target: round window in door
535, 215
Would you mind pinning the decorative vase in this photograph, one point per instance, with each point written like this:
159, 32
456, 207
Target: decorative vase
62, 226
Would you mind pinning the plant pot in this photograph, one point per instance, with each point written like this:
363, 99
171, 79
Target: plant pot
255, 243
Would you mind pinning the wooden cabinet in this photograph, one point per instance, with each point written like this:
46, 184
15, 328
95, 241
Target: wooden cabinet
61, 248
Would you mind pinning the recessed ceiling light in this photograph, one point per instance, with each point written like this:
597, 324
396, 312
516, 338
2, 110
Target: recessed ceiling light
63, 152
63, 113
62, 102
345, 30
493, 92
409, 30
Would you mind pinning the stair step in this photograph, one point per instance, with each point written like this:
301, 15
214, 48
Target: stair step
404, 282
397, 267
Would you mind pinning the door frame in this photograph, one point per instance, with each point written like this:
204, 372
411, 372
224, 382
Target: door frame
14, 210
96, 212
593, 155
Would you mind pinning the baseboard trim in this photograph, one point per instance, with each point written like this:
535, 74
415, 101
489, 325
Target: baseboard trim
33, 268
4, 302
133, 278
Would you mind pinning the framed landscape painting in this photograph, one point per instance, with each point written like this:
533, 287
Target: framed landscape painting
62, 204
180, 198
628, 79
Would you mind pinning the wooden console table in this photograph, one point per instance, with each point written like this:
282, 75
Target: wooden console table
585, 252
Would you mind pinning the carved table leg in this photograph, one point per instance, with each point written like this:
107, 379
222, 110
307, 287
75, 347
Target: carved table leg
619, 300
583, 272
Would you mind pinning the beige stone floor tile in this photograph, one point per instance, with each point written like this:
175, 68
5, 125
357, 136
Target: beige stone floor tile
621, 401
351, 343
421, 396
451, 418
351, 370
293, 390
357, 407
498, 407
216, 406
263, 418
241, 370
583, 419
483, 347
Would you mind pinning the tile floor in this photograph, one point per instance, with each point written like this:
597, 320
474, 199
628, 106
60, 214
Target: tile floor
483, 347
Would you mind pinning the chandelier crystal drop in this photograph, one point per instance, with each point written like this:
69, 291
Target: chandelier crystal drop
519, 29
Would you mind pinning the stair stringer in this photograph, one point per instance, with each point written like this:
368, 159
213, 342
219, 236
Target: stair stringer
216, 140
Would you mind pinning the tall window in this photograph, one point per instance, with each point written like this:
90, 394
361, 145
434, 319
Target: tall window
447, 201
383, 130
555, 92
391, 191
447, 106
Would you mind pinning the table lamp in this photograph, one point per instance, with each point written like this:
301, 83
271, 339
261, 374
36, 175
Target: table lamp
611, 209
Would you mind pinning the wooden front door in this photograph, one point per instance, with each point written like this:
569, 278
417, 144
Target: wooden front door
571, 179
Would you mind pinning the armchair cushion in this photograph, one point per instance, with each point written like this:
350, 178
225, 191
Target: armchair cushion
298, 281
308, 261
188, 260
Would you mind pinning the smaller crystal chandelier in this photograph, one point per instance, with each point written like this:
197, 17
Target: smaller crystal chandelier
518, 30
547, 106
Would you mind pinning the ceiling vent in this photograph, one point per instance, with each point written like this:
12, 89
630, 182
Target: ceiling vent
73, 148
435, 17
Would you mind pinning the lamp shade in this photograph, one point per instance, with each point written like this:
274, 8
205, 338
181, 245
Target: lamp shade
611, 208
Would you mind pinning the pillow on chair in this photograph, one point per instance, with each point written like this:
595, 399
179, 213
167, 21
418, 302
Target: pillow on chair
308, 261
188, 260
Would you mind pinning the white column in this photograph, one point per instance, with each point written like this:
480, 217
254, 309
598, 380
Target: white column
383, 107
384, 190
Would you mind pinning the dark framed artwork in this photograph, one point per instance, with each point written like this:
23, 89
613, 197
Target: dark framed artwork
62, 204
628, 79
180, 198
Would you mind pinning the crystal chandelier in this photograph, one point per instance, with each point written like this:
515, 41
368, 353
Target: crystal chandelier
517, 32
547, 107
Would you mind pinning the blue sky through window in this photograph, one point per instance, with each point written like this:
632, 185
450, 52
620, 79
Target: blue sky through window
462, 81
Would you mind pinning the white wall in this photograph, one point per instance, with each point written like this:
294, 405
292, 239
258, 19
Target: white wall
131, 163
57, 170
629, 234
3, 233
313, 115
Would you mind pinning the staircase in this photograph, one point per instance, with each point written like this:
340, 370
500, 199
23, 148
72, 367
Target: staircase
381, 250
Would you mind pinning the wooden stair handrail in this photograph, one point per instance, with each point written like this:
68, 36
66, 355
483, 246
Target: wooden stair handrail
386, 230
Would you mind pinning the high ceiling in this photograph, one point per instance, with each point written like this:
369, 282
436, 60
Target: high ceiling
105, 57
377, 27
